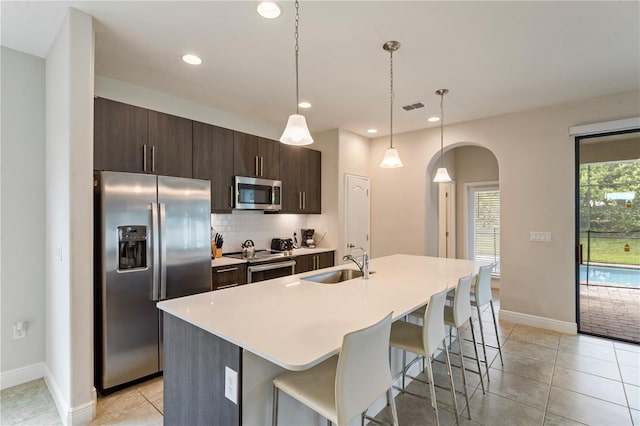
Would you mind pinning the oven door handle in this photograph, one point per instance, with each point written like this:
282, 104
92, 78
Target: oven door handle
270, 266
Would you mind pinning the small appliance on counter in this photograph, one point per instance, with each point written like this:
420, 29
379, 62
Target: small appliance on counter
282, 244
307, 238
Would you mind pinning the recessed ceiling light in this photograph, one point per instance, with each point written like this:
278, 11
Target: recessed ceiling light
268, 9
433, 119
372, 131
304, 105
192, 59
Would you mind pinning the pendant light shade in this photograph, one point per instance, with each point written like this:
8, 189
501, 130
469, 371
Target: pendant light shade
442, 175
391, 159
296, 132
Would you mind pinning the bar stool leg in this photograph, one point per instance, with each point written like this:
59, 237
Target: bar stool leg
464, 375
495, 325
475, 348
392, 402
274, 413
432, 390
404, 367
453, 390
484, 346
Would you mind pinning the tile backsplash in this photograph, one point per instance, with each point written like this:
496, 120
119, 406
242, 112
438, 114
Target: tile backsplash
240, 226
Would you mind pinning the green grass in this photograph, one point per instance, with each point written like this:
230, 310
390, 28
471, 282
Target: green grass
612, 251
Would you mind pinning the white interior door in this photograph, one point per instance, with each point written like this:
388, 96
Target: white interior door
447, 219
357, 213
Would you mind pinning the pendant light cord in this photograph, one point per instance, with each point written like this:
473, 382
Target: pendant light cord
441, 128
295, 35
391, 97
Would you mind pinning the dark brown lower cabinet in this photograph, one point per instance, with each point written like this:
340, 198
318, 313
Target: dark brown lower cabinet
228, 276
311, 262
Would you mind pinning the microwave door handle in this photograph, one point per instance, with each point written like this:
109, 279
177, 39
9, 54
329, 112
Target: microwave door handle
155, 262
163, 252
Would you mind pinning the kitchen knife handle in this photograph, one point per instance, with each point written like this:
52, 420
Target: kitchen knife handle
155, 253
144, 157
163, 252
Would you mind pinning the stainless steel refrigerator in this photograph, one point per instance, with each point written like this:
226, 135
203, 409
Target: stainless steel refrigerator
153, 242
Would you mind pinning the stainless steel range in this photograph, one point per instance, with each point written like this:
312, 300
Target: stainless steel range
266, 264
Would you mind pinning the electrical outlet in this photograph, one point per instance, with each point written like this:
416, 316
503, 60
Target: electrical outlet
231, 384
59, 252
20, 330
540, 237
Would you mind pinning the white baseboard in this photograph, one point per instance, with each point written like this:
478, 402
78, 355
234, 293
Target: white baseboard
539, 322
80, 415
21, 375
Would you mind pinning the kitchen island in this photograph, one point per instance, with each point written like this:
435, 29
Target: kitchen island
259, 330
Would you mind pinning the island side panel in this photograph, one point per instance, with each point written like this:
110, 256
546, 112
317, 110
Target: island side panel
194, 376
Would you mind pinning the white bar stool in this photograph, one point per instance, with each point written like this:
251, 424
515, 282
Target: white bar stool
480, 296
424, 340
342, 387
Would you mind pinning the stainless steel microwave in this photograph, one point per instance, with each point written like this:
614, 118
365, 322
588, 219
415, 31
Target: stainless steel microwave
257, 194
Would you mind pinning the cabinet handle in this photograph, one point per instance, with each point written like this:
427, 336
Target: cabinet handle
231, 196
144, 157
153, 158
299, 200
220, 271
226, 286
257, 168
262, 166
304, 200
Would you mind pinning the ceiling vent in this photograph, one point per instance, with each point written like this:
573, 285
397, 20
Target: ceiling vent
413, 106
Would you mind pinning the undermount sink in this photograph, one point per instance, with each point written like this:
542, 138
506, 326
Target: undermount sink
334, 277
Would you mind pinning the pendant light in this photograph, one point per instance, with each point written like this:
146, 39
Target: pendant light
296, 132
391, 158
442, 175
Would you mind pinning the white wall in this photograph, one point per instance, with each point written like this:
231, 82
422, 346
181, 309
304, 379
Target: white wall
69, 219
536, 160
22, 221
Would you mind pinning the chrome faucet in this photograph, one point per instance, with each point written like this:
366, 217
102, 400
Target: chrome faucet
364, 266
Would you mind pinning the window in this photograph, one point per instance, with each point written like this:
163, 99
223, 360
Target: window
484, 223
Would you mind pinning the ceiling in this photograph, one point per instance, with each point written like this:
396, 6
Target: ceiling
495, 57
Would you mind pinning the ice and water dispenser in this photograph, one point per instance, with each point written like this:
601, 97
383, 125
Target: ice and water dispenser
132, 247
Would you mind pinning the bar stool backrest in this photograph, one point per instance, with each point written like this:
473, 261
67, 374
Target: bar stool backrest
482, 288
462, 301
433, 332
363, 373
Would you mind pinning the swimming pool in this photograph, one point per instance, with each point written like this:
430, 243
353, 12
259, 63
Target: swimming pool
604, 274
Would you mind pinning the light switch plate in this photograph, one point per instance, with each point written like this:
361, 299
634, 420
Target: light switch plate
540, 237
231, 384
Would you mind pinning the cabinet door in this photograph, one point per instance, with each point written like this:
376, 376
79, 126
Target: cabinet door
269, 154
119, 137
245, 155
291, 177
326, 259
213, 160
228, 276
312, 176
304, 263
170, 138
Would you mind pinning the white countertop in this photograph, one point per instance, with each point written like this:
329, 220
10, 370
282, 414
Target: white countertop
225, 261
297, 324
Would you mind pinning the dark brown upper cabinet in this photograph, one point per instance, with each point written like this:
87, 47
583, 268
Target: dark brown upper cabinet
300, 172
170, 140
120, 136
213, 160
133, 139
254, 156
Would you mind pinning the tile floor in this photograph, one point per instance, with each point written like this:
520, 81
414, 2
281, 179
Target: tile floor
547, 379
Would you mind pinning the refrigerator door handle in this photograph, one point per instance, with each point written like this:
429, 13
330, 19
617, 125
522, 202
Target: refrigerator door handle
163, 252
155, 237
